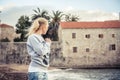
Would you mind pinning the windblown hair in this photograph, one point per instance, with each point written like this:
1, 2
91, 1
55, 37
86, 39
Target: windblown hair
36, 25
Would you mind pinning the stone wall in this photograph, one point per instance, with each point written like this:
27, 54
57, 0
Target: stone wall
93, 51
17, 53
94, 44
13, 53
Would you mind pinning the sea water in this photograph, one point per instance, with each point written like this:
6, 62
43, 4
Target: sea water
84, 74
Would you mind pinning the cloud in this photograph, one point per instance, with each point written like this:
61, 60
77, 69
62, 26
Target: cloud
11, 14
1, 8
68, 8
7, 6
94, 15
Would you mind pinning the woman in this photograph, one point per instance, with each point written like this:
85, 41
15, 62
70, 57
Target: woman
39, 49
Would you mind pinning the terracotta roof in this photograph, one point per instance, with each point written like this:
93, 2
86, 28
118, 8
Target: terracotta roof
5, 26
104, 24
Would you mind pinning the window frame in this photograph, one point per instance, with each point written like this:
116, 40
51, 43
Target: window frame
73, 35
75, 50
113, 35
87, 36
87, 49
112, 47
100, 35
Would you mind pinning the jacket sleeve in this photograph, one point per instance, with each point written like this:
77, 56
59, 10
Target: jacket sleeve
40, 47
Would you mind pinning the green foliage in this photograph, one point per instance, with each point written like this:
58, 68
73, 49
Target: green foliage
72, 18
53, 31
22, 26
54, 25
17, 39
57, 15
40, 13
5, 40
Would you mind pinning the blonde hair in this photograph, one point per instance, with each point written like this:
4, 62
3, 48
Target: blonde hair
36, 25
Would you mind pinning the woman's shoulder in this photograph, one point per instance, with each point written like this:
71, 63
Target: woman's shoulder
32, 35
35, 36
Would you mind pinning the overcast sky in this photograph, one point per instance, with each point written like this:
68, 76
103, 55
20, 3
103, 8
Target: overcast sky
106, 9
105, 5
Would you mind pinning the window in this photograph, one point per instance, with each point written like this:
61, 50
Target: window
73, 35
87, 50
74, 49
87, 35
100, 35
113, 35
112, 47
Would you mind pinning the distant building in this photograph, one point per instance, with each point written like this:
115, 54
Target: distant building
90, 43
7, 31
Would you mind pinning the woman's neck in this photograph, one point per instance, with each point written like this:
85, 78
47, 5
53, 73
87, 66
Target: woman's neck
38, 33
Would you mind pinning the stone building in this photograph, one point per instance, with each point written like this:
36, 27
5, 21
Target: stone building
80, 45
90, 43
7, 31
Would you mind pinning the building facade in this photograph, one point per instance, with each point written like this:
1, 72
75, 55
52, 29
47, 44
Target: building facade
7, 31
80, 45
90, 43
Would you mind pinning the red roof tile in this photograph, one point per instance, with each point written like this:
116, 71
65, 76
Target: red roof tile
105, 24
5, 26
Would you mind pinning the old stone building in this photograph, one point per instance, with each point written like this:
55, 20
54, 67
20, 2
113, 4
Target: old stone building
7, 31
90, 43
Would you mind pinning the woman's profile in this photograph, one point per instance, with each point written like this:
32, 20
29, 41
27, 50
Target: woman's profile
38, 48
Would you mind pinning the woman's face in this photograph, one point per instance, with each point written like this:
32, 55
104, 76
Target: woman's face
44, 28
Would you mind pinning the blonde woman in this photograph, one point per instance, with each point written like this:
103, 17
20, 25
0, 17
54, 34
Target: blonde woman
39, 49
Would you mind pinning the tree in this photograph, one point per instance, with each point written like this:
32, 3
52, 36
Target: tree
74, 18
71, 17
22, 26
68, 17
54, 25
5, 40
57, 15
40, 13
17, 39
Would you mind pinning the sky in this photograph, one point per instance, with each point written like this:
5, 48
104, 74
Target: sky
11, 10
105, 5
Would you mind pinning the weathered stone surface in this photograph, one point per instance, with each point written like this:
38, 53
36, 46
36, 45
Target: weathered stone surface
17, 53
